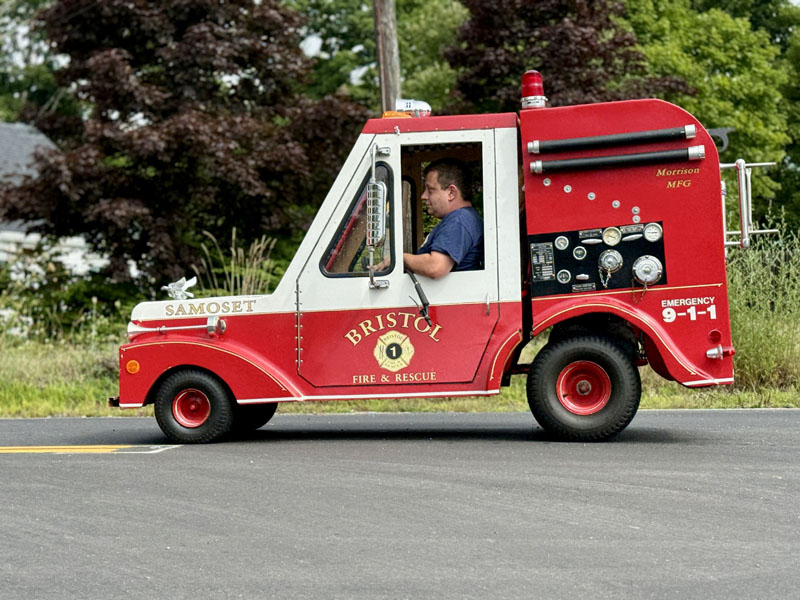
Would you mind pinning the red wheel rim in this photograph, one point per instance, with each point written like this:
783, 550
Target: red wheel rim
191, 408
583, 387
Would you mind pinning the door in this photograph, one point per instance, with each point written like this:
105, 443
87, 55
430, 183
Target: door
353, 335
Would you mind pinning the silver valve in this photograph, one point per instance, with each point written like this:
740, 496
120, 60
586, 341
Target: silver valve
610, 261
647, 269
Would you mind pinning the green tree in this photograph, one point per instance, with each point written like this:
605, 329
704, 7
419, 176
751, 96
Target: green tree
737, 75
345, 61
779, 18
788, 197
28, 88
584, 54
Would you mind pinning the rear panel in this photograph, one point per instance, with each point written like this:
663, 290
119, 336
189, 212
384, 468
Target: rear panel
625, 182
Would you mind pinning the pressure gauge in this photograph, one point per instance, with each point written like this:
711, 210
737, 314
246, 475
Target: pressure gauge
579, 253
647, 269
653, 232
562, 243
610, 261
612, 236
563, 276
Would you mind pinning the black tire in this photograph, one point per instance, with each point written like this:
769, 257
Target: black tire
193, 407
250, 417
584, 388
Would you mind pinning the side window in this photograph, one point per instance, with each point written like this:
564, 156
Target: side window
347, 254
417, 221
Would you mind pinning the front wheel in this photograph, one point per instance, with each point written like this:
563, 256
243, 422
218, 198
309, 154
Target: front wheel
193, 407
584, 388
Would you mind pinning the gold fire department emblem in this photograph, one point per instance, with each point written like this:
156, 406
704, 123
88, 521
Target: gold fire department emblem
393, 351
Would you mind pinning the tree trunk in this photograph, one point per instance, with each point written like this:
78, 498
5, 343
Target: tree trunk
388, 52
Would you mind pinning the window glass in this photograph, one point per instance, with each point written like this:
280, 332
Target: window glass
347, 253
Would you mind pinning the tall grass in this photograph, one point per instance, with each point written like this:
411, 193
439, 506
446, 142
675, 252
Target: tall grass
57, 378
764, 284
238, 272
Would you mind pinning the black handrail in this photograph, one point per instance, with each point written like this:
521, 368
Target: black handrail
617, 139
618, 160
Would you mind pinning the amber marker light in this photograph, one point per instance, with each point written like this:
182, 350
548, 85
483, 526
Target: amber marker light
132, 367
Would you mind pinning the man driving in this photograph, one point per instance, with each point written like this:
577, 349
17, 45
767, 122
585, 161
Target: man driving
456, 243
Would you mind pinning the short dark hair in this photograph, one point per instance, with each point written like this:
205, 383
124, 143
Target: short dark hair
451, 171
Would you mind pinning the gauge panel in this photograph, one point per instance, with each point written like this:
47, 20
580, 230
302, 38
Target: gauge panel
552, 259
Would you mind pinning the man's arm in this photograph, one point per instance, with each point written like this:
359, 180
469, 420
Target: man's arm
433, 264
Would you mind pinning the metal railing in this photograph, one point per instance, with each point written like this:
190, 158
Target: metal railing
744, 172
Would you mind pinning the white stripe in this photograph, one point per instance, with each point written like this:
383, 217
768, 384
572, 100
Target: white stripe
716, 381
346, 397
367, 396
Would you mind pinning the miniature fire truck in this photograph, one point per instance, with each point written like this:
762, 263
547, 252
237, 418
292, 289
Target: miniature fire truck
604, 226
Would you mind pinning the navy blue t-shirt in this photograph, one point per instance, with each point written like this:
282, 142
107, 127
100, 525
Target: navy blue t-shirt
459, 235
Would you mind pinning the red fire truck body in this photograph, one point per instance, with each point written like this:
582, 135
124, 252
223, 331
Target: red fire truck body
603, 224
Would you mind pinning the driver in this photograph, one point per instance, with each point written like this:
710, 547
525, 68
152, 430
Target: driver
456, 243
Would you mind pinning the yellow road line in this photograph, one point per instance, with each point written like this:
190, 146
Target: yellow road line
60, 449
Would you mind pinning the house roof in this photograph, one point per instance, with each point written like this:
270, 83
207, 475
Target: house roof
18, 142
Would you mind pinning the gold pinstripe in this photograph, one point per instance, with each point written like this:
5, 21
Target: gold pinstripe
627, 312
250, 362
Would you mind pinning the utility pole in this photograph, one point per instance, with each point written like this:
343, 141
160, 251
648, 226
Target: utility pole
388, 52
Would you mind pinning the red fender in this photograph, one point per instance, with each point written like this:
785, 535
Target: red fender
248, 376
680, 367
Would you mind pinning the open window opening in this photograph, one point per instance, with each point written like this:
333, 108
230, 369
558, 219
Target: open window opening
417, 223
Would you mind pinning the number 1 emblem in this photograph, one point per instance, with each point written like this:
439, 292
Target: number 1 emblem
393, 351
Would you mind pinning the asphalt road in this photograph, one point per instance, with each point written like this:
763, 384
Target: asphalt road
684, 504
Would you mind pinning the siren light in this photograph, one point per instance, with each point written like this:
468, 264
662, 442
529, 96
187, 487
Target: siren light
533, 90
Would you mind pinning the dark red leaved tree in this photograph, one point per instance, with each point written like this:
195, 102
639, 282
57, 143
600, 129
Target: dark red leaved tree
583, 54
194, 121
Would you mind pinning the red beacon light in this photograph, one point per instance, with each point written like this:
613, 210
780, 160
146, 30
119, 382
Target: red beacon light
533, 90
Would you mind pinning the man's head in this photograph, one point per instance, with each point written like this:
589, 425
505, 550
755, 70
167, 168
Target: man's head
446, 185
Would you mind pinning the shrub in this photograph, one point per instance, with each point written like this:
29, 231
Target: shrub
42, 299
764, 283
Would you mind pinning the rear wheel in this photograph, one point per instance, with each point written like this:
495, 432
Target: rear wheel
193, 407
584, 388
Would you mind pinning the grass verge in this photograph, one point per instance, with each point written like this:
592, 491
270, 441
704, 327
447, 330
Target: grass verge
60, 379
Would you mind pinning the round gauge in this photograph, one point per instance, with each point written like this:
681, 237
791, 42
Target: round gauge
579, 253
612, 236
562, 243
653, 232
611, 261
647, 269
563, 276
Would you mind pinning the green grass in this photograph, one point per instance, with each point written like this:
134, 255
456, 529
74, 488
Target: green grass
61, 379
57, 379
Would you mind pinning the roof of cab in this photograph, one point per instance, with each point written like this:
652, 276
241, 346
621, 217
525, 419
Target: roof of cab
441, 123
